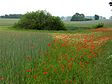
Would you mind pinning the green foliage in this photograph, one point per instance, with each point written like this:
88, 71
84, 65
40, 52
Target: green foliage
99, 25
11, 16
102, 73
96, 17
7, 22
40, 20
31, 57
79, 17
18, 50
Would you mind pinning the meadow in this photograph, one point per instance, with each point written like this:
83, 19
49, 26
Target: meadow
87, 24
81, 55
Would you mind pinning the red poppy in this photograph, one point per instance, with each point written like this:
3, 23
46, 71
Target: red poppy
35, 77
49, 44
54, 70
89, 57
45, 73
71, 59
62, 44
45, 68
29, 70
92, 47
81, 64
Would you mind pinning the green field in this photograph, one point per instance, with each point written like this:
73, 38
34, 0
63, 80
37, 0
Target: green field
76, 56
69, 25
7, 22
87, 24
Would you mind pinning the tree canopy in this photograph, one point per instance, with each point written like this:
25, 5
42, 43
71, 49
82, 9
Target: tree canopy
40, 20
79, 17
11, 16
96, 17
110, 3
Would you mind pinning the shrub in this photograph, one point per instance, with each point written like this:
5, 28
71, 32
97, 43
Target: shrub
40, 20
99, 25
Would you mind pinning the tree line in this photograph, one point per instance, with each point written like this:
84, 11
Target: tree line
81, 17
75, 17
11, 16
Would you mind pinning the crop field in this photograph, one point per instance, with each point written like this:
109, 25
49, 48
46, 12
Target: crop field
7, 22
69, 25
56, 57
87, 24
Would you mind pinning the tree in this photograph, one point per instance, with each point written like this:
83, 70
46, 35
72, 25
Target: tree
12, 16
79, 17
110, 3
110, 17
40, 20
96, 17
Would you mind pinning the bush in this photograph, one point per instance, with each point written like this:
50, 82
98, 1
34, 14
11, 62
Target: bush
99, 25
40, 20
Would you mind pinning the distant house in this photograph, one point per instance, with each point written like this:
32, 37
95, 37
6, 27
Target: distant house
92, 17
110, 17
102, 18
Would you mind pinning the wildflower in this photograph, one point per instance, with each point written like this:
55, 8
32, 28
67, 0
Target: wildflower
81, 64
71, 59
55, 40
34, 76
89, 57
78, 49
95, 55
92, 47
62, 67
85, 40
62, 44
45, 68
70, 81
28, 70
49, 44
70, 65
54, 70
45, 73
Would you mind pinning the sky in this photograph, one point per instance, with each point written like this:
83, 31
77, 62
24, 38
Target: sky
57, 7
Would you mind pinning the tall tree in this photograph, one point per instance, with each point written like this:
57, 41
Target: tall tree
96, 17
40, 20
78, 17
110, 3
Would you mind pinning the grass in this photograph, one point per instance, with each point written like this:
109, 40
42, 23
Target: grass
8, 22
76, 25
104, 61
16, 49
55, 57
87, 24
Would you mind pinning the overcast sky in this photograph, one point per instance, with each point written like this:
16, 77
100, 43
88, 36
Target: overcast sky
57, 7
